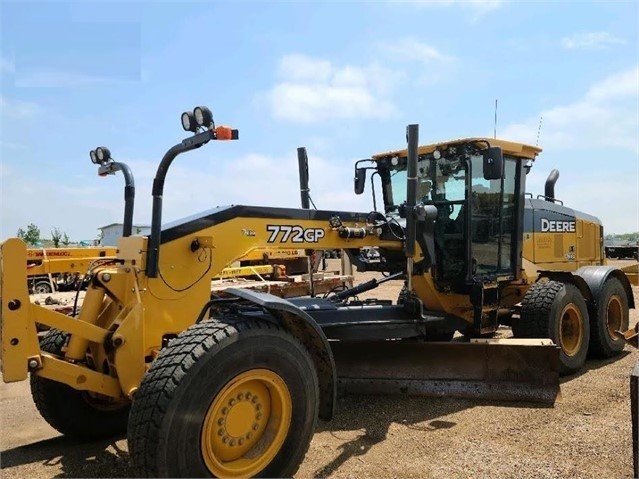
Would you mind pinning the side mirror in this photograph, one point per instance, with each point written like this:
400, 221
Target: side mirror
493, 163
360, 180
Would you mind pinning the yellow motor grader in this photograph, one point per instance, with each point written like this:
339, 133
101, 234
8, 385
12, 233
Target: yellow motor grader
231, 384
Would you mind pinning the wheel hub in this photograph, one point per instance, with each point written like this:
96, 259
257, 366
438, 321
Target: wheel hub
614, 316
246, 424
571, 330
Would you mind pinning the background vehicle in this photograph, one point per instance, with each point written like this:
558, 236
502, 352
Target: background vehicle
622, 251
60, 269
245, 375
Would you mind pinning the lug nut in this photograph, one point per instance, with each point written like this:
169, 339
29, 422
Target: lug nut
225, 410
258, 407
232, 442
232, 402
220, 432
240, 397
240, 441
248, 396
256, 427
220, 421
258, 416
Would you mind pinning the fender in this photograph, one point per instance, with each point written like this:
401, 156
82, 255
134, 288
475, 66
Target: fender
596, 276
590, 281
303, 327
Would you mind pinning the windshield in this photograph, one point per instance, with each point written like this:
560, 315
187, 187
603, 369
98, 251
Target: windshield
437, 180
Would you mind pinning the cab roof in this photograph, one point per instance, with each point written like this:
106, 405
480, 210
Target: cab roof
520, 150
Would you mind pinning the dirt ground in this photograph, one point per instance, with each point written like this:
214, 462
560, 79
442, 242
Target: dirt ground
587, 433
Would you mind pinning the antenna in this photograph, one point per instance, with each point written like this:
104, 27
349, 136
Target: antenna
495, 130
539, 130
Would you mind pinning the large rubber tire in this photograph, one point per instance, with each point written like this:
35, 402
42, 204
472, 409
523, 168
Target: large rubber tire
558, 311
75, 413
183, 423
42, 287
609, 315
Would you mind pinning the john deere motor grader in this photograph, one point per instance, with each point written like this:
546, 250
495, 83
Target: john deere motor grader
232, 385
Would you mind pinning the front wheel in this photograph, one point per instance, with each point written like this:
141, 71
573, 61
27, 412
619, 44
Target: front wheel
555, 310
231, 398
75, 413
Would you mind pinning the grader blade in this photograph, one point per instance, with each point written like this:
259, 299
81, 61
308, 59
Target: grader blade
503, 370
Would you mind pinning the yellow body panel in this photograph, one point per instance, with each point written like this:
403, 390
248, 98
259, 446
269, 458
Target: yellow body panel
258, 269
18, 323
70, 253
66, 265
562, 251
138, 311
272, 255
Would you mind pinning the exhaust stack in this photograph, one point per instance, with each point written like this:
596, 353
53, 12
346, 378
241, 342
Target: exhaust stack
549, 191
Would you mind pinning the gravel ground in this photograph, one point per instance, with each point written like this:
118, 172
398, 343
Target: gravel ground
586, 434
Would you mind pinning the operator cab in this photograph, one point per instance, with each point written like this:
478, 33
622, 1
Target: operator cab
477, 187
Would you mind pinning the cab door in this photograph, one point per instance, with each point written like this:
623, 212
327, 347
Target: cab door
492, 221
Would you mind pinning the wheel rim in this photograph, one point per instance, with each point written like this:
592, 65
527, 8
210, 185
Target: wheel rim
571, 330
42, 288
246, 424
614, 315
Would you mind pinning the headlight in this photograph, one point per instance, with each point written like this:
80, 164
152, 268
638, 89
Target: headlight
102, 153
203, 116
94, 157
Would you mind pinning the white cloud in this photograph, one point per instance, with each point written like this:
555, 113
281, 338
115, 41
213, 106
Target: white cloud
414, 50
7, 66
55, 79
47, 204
605, 117
590, 41
426, 63
597, 138
12, 146
478, 8
313, 89
258, 180
17, 109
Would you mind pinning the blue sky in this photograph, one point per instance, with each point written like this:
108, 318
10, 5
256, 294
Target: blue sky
341, 78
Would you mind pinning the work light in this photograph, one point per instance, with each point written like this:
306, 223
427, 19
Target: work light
203, 116
188, 122
103, 154
94, 157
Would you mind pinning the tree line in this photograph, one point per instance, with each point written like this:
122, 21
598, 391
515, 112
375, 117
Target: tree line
31, 236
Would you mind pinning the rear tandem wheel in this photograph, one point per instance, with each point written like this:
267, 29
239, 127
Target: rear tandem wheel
555, 310
606, 318
229, 398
